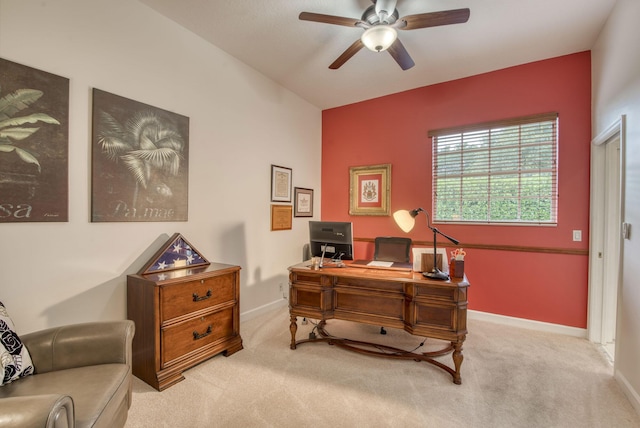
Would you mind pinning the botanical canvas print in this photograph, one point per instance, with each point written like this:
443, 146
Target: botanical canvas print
140, 161
34, 145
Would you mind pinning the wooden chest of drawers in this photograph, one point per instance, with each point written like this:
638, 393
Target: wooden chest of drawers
182, 318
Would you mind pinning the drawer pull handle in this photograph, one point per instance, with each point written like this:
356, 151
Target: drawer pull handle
197, 298
197, 336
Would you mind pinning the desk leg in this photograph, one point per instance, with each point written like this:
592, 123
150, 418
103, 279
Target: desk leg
457, 361
293, 327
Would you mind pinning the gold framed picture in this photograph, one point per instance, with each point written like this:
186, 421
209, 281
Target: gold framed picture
370, 190
281, 217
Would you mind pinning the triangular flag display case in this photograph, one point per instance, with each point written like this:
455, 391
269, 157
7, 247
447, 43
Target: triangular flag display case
177, 253
186, 310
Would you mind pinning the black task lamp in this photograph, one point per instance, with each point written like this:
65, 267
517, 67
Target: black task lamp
406, 220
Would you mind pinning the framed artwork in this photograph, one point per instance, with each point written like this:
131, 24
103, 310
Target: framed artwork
280, 184
177, 253
34, 145
303, 202
281, 217
140, 162
370, 190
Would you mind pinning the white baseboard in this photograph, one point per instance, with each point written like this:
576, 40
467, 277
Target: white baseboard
530, 324
628, 390
246, 316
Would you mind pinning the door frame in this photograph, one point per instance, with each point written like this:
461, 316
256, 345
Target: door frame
597, 224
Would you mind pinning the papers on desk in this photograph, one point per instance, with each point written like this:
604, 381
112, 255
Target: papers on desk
378, 263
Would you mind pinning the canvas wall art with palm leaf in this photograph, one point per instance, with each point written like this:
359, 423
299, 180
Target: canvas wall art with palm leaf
34, 144
140, 161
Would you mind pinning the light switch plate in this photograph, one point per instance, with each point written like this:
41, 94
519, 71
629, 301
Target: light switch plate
577, 235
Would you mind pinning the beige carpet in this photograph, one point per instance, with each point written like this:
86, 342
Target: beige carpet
511, 377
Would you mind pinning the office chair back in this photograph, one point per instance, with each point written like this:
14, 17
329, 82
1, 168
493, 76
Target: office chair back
392, 249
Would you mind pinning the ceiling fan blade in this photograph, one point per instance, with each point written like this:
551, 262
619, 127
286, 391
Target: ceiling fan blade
329, 19
400, 54
434, 19
346, 55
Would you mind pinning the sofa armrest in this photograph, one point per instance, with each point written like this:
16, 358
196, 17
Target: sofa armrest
80, 345
37, 411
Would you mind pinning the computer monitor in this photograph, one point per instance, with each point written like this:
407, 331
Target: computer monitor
335, 238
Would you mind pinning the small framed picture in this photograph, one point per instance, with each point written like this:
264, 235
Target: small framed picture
280, 217
370, 190
303, 206
280, 184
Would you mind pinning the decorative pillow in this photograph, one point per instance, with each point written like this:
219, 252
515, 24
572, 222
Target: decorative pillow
15, 360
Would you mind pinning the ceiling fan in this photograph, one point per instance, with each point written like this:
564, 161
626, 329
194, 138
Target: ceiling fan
381, 22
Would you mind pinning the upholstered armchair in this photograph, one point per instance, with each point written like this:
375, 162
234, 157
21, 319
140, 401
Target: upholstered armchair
82, 378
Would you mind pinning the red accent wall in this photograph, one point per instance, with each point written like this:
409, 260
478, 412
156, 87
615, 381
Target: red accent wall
393, 129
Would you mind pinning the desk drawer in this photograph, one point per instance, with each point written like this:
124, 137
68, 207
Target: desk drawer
389, 305
435, 316
448, 294
310, 297
180, 339
181, 299
371, 284
311, 277
444, 321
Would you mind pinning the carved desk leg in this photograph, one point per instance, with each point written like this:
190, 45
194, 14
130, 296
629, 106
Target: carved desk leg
293, 327
457, 360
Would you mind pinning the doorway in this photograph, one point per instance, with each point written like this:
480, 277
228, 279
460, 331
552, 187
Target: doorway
612, 240
607, 208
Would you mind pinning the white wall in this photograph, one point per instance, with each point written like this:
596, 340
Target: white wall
616, 92
240, 124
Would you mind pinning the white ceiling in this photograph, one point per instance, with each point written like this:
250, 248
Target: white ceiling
268, 36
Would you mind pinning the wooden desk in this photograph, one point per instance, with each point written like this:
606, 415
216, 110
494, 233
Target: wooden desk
406, 300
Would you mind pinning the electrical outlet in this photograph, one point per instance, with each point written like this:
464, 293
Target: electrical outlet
281, 287
577, 235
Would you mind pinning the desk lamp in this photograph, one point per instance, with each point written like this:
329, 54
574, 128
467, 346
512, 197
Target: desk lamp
406, 220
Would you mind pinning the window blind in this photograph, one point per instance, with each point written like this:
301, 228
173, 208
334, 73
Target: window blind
498, 172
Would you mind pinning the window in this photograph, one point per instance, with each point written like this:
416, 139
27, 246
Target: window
499, 172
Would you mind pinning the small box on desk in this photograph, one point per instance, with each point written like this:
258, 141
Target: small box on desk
427, 262
456, 268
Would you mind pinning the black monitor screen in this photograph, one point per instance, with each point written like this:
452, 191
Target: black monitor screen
334, 237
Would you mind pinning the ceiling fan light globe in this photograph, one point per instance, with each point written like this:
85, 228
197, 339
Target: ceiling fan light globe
378, 38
